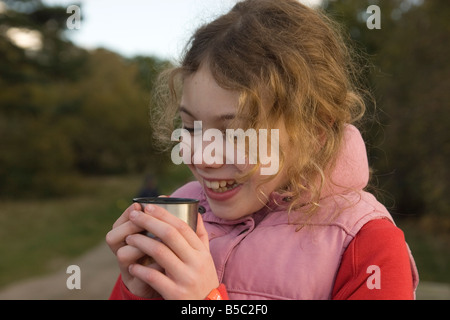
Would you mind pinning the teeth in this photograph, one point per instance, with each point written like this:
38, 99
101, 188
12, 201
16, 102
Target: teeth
215, 185
221, 185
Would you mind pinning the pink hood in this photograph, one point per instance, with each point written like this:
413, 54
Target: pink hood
351, 170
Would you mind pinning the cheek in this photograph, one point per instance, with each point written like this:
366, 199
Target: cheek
193, 170
264, 184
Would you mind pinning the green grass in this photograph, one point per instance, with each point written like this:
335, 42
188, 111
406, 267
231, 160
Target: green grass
429, 248
39, 236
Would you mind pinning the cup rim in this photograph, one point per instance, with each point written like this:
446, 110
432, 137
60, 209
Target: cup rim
165, 200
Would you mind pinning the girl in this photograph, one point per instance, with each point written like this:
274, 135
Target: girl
310, 231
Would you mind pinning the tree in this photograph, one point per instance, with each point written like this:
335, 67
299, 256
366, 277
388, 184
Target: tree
36, 155
409, 78
66, 112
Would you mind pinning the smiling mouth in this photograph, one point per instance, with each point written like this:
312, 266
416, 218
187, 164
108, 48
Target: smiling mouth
220, 186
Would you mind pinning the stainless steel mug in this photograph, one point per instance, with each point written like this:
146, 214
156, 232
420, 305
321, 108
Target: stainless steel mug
182, 208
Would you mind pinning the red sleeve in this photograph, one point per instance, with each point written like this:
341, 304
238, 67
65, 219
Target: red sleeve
222, 293
121, 292
375, 265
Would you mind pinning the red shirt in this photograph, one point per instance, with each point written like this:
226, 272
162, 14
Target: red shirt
378, 243
375, 265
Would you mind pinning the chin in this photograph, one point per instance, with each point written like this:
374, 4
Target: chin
226, 212
236, 209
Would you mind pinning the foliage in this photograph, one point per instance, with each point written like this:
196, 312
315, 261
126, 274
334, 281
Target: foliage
410, 76
65, 111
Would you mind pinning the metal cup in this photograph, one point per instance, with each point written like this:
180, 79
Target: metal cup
182, 208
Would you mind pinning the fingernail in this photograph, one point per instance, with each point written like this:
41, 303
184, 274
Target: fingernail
149, 208
133, 214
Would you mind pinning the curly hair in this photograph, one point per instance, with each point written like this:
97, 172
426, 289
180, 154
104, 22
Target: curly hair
289, 62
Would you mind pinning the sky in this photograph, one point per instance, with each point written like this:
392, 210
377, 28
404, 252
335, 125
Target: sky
143, 27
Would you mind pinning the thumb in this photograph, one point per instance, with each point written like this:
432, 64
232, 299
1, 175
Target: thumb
201, 231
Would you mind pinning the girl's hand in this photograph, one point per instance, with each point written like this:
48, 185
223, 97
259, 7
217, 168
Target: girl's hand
127, 254
189, 270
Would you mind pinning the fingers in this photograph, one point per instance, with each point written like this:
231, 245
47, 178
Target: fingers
169, 235
127, 255
172, 221
124, 217
163, 256
173, 232
154, 277
201, 231
188, 267
115, 238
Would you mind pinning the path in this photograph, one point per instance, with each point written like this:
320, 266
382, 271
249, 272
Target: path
99, 272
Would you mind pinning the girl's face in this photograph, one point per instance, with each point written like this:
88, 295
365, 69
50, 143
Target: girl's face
204, 100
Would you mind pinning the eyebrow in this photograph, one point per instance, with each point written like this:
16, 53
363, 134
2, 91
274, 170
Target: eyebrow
227, 116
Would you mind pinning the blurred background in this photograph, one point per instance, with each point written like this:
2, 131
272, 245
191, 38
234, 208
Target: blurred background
75, 139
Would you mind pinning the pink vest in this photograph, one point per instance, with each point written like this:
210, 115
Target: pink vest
262, 256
